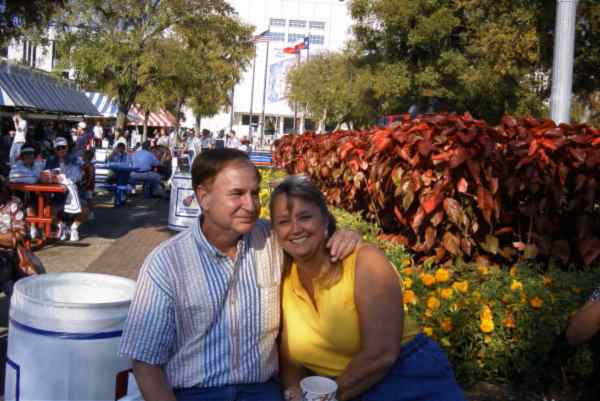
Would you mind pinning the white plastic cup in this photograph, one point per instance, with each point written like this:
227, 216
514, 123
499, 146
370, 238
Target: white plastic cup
318, 388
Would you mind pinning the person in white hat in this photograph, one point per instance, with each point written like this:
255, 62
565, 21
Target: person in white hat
69, 174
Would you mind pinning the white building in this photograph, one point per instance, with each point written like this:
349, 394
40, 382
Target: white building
29, 53
328, 25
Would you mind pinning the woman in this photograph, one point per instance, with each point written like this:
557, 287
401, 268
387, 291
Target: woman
12, 232
345, 320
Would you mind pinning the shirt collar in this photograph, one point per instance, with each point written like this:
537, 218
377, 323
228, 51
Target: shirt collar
242, 245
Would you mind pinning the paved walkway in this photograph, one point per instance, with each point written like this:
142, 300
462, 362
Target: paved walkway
116, 242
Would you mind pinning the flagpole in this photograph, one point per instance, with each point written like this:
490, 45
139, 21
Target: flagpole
296, 103
231, 116
264, 99
252, 95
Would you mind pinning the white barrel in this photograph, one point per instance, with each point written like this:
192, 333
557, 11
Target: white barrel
183, 206
63, 337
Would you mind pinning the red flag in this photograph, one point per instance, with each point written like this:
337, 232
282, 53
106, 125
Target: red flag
299, 46
290, 50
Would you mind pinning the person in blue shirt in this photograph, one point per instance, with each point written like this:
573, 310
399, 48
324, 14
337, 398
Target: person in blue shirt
144, 163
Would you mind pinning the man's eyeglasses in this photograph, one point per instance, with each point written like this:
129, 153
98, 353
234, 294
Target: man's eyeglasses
61, 148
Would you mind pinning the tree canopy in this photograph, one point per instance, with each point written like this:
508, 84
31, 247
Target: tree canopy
490, 58
18, 17
162, 51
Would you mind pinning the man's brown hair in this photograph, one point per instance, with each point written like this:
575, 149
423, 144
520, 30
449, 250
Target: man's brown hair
209, 163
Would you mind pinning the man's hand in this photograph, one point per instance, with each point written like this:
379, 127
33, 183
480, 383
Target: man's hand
342, 243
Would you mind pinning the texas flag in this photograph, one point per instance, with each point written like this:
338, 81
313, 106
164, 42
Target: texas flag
296, 49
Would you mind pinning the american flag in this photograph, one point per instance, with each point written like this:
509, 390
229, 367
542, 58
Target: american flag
262, 37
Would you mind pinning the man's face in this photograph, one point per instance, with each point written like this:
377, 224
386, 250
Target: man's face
231, 202
61, 152
27, 158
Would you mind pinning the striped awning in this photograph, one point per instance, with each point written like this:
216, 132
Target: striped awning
30, 89
108, 108
160, 118
5, 100
104, 104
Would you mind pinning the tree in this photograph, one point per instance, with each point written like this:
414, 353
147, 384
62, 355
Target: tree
123, 46
18, 17
336, 90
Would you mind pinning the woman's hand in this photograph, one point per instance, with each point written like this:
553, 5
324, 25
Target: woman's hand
292, 394
343, 243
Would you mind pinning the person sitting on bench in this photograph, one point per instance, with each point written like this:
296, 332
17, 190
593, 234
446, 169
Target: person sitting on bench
144, 163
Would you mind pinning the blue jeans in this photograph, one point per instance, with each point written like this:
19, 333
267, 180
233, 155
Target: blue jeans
421, 372
269, 391
15, 150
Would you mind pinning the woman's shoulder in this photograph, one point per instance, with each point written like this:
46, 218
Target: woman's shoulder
372, 262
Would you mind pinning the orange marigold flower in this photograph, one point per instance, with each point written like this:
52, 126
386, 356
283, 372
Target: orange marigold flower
407, 271
536, 302
462, 286
446, 293
407, 282
446, 325
509, 321
547, 280
428, 331
442, 275
428, 312
516, 285
410, 297
486, 313
427, 279
483, 269
433, 303
487, 326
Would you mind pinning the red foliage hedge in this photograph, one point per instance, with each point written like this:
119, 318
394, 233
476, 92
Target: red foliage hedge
449, 185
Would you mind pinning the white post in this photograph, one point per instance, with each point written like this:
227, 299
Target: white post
562, 70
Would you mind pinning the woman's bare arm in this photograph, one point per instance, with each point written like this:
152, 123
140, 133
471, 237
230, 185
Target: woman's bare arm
378, 298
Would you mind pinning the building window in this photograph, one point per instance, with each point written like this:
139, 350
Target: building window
317, 25
246, 119
297, 23
317, 39
309, 125
277, 22
288, 125
295, 37
277, 36
4, 52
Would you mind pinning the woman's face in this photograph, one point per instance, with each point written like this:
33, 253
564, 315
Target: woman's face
299, 225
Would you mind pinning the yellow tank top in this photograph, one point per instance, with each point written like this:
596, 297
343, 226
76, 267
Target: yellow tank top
325, 341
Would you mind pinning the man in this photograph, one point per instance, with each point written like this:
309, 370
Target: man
144, 163
163, 139
69, 174
204, 321
232, 141
19, 138
98, 135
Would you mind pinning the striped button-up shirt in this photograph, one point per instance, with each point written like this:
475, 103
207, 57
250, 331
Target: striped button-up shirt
208, 320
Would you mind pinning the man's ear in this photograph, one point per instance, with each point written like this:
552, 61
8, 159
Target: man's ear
202, 195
